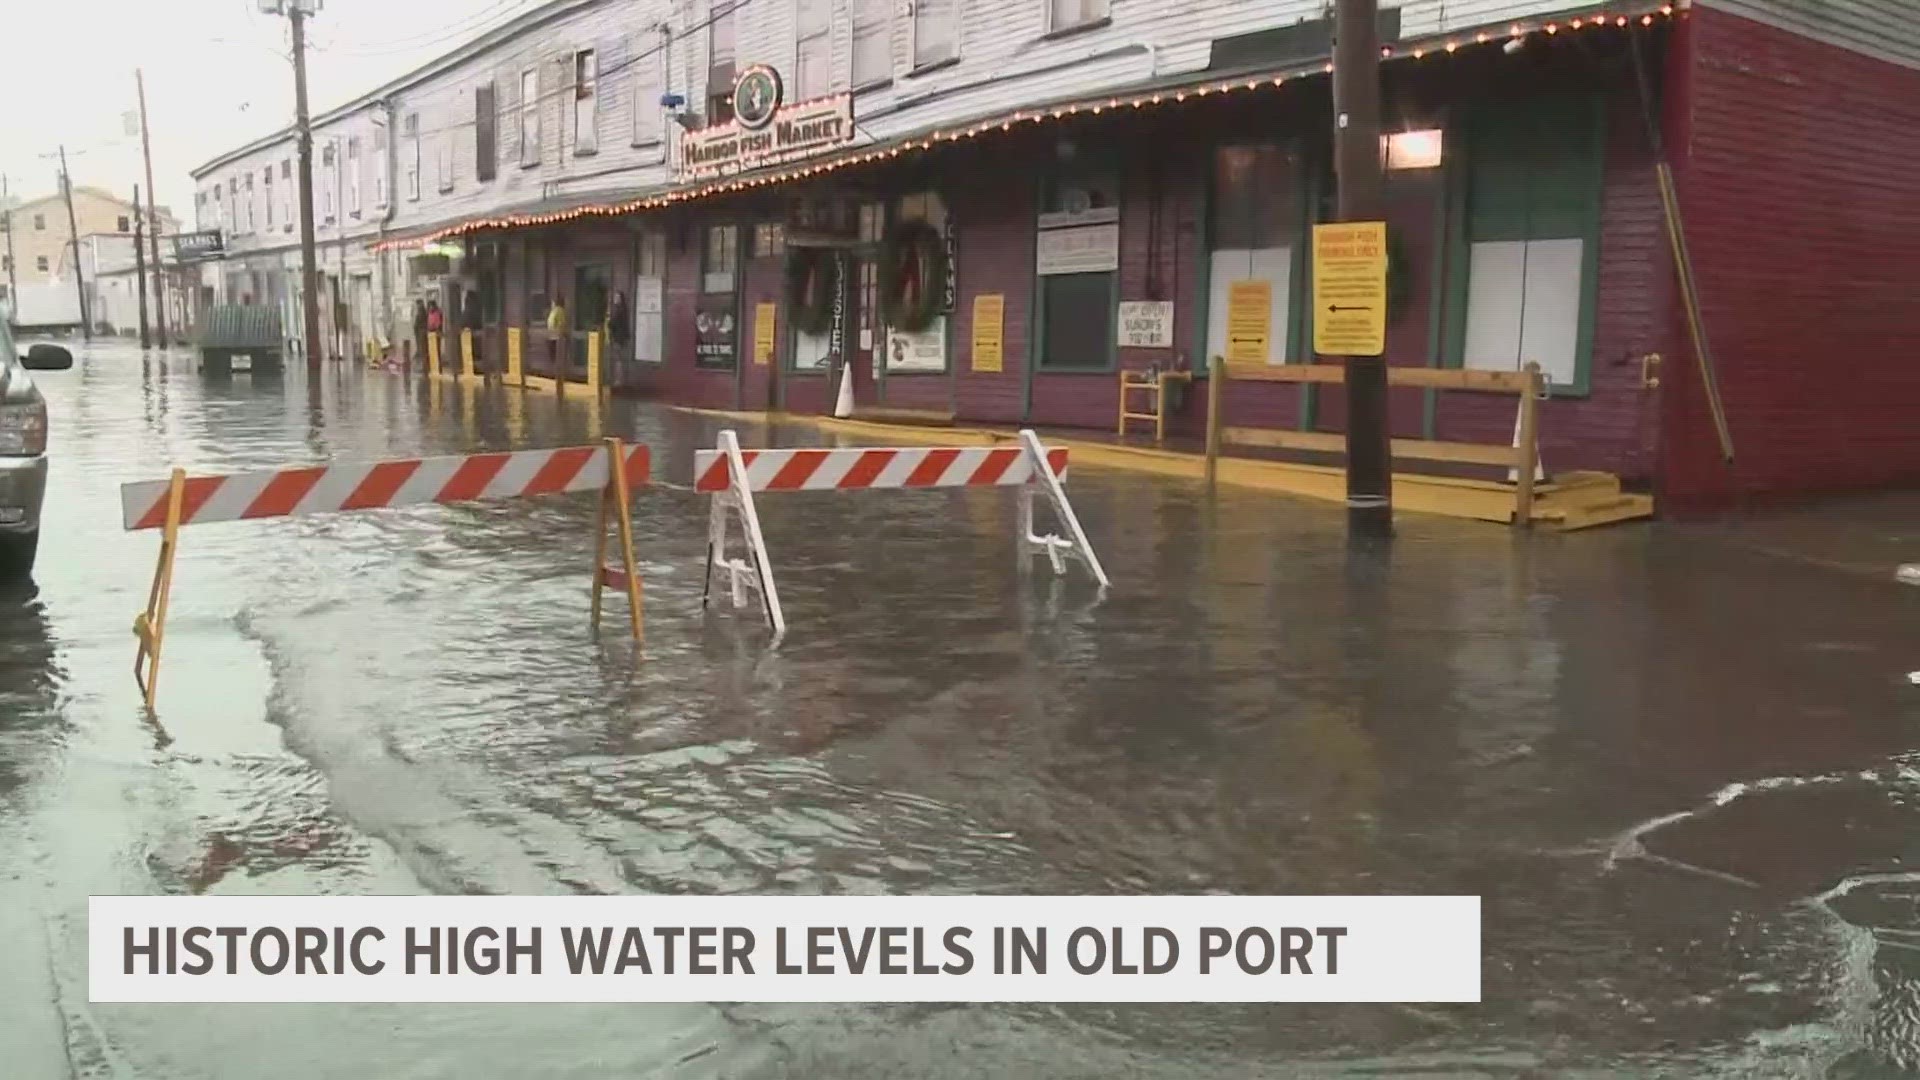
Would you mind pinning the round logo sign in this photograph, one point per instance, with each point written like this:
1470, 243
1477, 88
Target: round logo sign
756, 96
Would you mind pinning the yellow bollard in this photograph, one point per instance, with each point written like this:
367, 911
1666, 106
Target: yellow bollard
467, 374
513, 356
433, 355
593, 361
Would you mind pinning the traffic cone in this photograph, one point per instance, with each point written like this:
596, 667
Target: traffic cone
843, 406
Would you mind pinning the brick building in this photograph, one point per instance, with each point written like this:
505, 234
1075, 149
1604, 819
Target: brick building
1071, 160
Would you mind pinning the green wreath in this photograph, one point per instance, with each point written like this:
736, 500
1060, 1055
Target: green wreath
913, 276
810, 284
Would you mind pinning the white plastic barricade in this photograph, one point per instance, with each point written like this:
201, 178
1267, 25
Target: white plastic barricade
732, 475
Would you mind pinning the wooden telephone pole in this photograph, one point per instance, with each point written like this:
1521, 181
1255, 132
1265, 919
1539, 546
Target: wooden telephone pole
296, 12
1356, 140
73, 226
140, 265
153, 223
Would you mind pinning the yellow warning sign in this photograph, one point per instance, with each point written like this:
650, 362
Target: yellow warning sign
1350, 288
1249, 321
763, 320
989, 313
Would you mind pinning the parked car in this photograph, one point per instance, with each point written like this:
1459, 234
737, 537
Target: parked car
23, 448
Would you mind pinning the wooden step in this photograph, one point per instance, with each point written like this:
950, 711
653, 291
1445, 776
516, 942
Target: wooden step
921, 417
1602, 512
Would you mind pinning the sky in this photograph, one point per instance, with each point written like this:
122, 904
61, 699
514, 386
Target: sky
218, 75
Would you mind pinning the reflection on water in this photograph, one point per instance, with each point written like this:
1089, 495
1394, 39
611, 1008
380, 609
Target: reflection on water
410, 701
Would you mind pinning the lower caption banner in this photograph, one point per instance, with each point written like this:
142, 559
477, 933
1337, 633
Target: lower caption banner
784, 948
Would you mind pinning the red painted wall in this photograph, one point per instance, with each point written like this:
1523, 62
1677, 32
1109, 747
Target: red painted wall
1797, 165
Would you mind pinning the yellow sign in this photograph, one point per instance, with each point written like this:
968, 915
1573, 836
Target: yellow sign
763, 317
1249, 321
989, 315
1350, 288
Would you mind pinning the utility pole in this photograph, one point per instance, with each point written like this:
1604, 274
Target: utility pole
309, 287
140, 265
73, 226
6, 207
1356, 140
153, 221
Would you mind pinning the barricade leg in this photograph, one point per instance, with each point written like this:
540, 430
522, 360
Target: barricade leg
615, 500
1043, 481
150, 626
753, 571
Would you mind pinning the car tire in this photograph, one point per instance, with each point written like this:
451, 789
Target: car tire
17, 551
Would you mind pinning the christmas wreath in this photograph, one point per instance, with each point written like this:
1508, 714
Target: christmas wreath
810, 284
913, 276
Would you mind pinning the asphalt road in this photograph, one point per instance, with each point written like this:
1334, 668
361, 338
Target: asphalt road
1678, 762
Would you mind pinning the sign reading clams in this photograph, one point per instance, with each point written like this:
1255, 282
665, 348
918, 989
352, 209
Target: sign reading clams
1350, 288
765, 130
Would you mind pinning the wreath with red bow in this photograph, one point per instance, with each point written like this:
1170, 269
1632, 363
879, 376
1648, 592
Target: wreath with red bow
913, 276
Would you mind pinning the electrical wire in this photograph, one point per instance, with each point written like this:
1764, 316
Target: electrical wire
483, 21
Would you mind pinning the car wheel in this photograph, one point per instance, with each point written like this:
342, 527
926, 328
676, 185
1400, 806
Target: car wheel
17, 551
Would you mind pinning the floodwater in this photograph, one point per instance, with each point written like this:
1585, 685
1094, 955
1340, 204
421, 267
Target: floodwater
1680, 763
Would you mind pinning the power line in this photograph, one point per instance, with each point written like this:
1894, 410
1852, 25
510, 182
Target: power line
396, 46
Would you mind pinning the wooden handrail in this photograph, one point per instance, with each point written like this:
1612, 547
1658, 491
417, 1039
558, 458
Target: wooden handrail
1486, 382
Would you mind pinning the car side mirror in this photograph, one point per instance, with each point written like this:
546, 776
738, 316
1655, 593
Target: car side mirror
44, 357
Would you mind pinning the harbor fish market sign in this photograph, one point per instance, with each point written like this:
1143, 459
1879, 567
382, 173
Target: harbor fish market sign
783, 133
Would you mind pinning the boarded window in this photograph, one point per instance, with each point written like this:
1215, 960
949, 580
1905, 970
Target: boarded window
648, 85
530, 117
486, 132
1532, 232
936, 31
813, 67
1067, 14
586, 109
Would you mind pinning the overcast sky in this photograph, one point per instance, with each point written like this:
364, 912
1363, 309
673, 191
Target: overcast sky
217, 72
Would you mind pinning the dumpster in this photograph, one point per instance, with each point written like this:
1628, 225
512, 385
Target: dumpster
244, 332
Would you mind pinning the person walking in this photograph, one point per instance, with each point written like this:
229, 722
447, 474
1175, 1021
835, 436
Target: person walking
557, 327
419, 333
619, 332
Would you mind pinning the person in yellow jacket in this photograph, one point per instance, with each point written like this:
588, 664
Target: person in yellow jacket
557, 333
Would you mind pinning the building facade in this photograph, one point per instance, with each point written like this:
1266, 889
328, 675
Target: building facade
984, 208
42, 238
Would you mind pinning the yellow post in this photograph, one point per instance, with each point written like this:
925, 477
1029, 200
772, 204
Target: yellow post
593, 361
514, 337
433, 355
150, 626
466, 357
1216, 375
1120, 426
1527, 454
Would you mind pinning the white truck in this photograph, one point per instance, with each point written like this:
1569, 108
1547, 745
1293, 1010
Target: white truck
51, 308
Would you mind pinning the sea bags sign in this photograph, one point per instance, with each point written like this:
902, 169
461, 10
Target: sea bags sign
765, 130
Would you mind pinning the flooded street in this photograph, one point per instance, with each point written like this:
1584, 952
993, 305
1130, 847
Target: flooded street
1681, 763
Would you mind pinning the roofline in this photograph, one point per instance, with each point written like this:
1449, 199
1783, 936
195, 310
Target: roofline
485, 43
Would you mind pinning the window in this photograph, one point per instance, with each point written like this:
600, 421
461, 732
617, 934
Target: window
486, 130
1254, 213
1077, 254
936, 31
649, 292
410, 153
250, 225
722, 28
586, 114
40, 225
530, 117
1067, 14
720, 259
286, 194
266, 195
326, 184
379, 166
122, 224
353, 176
1531, 225
872, 41
813, 64
443, 160
648, 87
40, 263
6, 262
769, 240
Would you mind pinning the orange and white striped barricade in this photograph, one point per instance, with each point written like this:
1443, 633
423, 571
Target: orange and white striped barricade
732, 475
182, 500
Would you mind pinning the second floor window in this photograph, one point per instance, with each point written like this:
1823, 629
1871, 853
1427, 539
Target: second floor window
872, 42
266, 195
410, 152
586, 113
40, 223
443, 159
648, 85
1067, 14
380, 165
530, 117
936, 31
812, 70
286, 193
486, 128
327, 178
353, 176
124, 223
250, 202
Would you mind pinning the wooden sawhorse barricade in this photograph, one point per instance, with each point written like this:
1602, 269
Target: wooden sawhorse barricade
732, 475
1522, 458
182, 500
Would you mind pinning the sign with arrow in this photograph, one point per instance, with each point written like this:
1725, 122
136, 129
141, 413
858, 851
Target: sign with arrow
1350, 288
